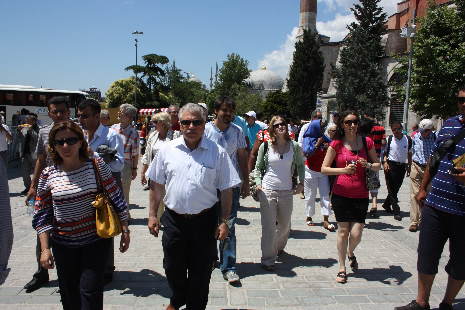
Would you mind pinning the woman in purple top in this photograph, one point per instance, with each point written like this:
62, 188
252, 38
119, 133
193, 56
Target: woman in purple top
350, 195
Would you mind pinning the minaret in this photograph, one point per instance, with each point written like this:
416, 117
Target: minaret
307, 18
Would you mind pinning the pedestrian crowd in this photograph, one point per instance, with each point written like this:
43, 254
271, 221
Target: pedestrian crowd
196, 171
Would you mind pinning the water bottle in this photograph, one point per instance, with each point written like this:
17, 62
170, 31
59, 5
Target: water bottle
30, 206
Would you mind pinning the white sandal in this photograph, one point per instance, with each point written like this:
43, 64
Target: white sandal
309, 221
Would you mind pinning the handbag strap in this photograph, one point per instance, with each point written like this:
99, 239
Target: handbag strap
364, 140
98, 176
444, 148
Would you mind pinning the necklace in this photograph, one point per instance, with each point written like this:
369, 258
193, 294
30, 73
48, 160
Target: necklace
282, 152
345, 153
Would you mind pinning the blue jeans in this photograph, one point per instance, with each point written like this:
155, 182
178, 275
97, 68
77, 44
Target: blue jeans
228, 254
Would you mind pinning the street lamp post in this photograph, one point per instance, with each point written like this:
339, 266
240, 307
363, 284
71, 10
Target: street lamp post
137, 33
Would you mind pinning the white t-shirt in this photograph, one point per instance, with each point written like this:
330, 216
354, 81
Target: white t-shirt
399, 149
158, 145
278, 172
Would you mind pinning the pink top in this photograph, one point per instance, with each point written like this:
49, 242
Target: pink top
350, 185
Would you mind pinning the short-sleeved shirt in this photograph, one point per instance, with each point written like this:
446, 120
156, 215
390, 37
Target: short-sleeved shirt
231, 140
3, 140
192, 177
253, 133
447, 194
350, 185
239, 121
42, 142
422, 147
398, 150
130, 141
377, 135
105, 136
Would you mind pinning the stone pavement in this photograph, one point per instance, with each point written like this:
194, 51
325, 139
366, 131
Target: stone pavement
304, 276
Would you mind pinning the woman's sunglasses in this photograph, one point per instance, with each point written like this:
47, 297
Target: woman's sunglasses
350, 122
68, 141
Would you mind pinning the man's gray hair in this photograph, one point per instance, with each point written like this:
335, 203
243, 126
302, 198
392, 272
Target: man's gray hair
191, 108
315, 113
104, 113
130, 109
173, 106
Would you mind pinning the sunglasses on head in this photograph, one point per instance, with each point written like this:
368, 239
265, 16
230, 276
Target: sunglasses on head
84, 116
350, 122
461, 100
68, 141
196, 122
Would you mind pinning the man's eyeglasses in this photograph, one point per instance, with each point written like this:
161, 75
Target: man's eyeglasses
196, 122
461, 100
396, 129
350, 122
68, 141
279, 124
174, 112
84, 116
56, 112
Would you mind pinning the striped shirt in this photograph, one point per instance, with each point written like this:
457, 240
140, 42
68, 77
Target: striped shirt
422, 147
63, 203
377, 135
6, 229
130, 141
447, 193
42, 142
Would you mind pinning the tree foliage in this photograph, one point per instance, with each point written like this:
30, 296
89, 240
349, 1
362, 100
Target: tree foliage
438, 62
234, 71
122, 91
359, 82
245, 101
305, 76
276, 103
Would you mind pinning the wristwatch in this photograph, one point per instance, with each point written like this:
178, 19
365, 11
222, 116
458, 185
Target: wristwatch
226, 221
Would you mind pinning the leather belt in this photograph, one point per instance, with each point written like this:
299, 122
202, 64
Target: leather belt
396, 163
191, 216
423, 166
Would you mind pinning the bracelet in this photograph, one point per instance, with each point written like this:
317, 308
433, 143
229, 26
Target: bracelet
44, 250
127, 231
226, 221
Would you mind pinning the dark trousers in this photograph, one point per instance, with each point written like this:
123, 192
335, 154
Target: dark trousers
394, 179
80, 274
110, 267
187, 246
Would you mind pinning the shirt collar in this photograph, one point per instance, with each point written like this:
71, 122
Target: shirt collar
203, 143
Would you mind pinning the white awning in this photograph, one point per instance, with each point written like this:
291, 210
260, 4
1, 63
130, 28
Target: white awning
151, 111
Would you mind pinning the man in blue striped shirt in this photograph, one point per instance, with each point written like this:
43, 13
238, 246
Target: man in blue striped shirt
423, 142
443, 218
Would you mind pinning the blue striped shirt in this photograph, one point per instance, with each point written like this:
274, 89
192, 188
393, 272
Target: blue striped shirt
448, 194
422, 147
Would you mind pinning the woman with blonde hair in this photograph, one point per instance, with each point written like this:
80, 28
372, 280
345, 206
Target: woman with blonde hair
349, 199
156, 140
65, 218
277, 160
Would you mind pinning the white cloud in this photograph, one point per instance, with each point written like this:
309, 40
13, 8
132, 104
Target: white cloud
336, 29
279, 60
389, 6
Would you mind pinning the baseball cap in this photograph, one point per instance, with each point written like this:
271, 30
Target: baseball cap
203, 105
251, 113
425, 125
334, 113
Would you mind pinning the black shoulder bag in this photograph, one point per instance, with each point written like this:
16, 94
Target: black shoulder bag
446, 147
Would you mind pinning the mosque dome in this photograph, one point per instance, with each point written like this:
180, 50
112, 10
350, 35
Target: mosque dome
195, 79
264, 80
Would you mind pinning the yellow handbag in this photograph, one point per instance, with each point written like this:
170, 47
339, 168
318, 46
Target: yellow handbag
107, 220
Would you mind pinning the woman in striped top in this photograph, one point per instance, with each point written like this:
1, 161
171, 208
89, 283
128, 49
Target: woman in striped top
64, 218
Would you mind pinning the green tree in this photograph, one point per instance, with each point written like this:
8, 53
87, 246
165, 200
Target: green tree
438, 62
276, 103
245, 101
122, 91
359, 82
306, 75
234, 71
152, 77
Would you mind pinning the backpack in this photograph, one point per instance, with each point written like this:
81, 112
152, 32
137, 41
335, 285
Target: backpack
389, 144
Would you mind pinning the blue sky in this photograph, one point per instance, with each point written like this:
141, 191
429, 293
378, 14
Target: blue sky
79, 44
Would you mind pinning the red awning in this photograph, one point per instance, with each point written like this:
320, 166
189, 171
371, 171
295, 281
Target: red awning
151, 111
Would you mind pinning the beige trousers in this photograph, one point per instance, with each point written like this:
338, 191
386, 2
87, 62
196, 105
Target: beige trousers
416, 176
126, 179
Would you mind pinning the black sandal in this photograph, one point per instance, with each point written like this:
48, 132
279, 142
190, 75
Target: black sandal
341, 277
353, 263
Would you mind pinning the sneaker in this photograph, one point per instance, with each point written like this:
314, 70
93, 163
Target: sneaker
397, 217
413, 228
413, 306
231, 276
445, 306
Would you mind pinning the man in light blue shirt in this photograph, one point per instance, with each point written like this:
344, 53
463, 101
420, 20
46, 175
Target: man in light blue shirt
239, 121
232, 139
252, 127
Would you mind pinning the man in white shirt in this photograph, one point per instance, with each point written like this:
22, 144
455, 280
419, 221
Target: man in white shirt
193, 169
398, 149
5, 138
230, 137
